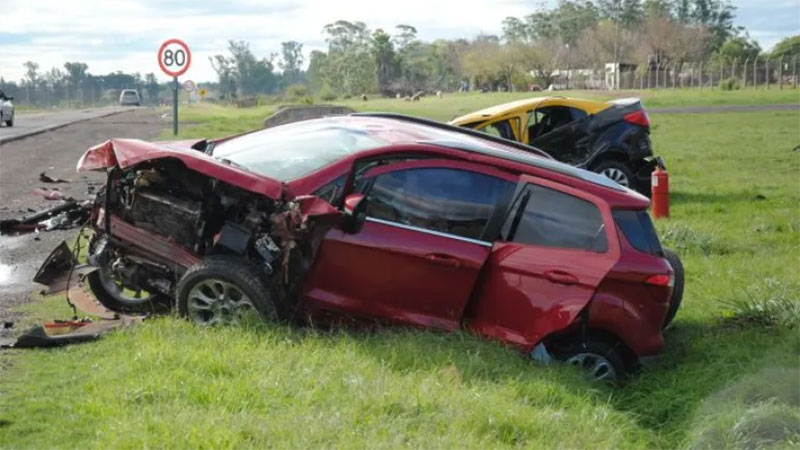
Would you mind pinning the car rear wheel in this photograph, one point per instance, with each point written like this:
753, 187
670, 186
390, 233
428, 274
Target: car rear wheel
616, 171
598, 360
224, 289
677, 290
10, 122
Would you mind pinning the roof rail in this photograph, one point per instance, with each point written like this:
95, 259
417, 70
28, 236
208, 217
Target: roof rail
462, 130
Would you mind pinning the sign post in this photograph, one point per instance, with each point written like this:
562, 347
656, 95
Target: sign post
174, 59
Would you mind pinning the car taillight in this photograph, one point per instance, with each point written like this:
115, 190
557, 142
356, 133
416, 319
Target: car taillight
638, 117
661, 280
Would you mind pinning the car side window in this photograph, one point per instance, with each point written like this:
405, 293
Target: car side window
544, 120
550, 218
453, 201
502, 129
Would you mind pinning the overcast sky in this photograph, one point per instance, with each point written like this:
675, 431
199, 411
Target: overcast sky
111, 35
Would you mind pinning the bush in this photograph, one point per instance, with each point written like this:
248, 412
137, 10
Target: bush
770, 303
297, 92
729, 84
326, 94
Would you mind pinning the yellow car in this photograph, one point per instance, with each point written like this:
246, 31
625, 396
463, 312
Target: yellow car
611, 138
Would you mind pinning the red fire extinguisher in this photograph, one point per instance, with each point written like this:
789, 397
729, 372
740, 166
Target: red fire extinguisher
660, 191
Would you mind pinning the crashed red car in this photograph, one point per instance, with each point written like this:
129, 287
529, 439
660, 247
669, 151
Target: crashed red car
389, 219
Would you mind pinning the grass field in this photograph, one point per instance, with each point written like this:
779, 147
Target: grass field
725, 381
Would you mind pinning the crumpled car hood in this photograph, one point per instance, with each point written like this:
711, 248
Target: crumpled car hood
128, 152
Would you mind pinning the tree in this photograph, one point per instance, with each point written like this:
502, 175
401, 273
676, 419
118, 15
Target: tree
738, 48
384, 59
349, 64
76, 74
625, 13
253, 76
291, 60
152, 87
787, 48
223, 67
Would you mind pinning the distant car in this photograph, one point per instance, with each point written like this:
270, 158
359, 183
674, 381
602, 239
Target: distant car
129, 97
438, 227
6, 110
611, 138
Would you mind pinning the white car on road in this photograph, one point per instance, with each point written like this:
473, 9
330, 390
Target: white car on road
6, 110
129, 97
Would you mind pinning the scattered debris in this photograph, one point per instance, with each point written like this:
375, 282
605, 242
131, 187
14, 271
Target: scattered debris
69, 214
44, 178
50, 194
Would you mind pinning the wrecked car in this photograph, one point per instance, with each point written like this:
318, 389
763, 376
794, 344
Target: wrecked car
380, 218
611, 138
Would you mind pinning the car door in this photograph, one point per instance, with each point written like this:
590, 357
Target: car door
560, 131
553, 251
417, 257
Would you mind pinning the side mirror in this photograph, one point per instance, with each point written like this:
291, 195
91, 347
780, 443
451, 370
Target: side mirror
355, 213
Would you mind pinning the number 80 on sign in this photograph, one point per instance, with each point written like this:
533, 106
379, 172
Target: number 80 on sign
174, 57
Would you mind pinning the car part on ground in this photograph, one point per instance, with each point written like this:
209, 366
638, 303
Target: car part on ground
372, 218
69, 214
677, 290
611, 137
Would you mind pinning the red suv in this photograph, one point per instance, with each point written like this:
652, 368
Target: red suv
388, 219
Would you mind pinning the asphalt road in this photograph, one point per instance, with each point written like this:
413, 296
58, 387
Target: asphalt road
27, 124
56, 153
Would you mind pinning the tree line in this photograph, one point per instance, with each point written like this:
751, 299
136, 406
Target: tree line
74, 85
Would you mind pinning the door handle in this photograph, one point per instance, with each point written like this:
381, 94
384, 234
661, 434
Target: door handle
443, 260
561, 277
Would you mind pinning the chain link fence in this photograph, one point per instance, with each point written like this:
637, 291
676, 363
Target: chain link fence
755, 73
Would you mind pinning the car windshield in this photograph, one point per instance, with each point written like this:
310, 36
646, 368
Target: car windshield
291, 151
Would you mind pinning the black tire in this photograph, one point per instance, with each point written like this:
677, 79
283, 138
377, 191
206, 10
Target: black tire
677, 290
110, 296
617, 171
10, 122
233, 273
612, 369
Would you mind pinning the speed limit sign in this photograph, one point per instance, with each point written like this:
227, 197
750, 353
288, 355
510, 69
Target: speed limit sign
174, 57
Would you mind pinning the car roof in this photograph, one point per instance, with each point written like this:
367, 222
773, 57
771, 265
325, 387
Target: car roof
590, 106
394, 129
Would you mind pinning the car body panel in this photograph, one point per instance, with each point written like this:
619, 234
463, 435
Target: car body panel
520, 302
522, 106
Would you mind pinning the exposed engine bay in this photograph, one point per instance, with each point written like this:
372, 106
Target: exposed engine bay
157, 219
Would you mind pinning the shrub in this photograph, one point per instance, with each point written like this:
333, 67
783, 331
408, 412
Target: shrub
729, 84
297, 92
771, 303
326, 94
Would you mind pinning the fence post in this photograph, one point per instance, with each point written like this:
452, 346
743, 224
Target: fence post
794, 72
711, 77
744, 73
675, 69
755, 74
700, 84
658, 69
780, 74
766, 74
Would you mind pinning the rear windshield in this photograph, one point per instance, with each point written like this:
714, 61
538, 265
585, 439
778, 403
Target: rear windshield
639, 230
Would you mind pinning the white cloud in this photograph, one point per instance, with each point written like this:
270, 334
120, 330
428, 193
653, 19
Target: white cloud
125, 34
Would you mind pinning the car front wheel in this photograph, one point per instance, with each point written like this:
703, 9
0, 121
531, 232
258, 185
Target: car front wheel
223, 290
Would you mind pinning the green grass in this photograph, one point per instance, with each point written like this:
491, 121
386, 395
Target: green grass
212, 120
735, 222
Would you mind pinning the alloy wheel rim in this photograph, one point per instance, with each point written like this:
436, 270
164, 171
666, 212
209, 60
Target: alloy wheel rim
597, 367
215, 301
616, 175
